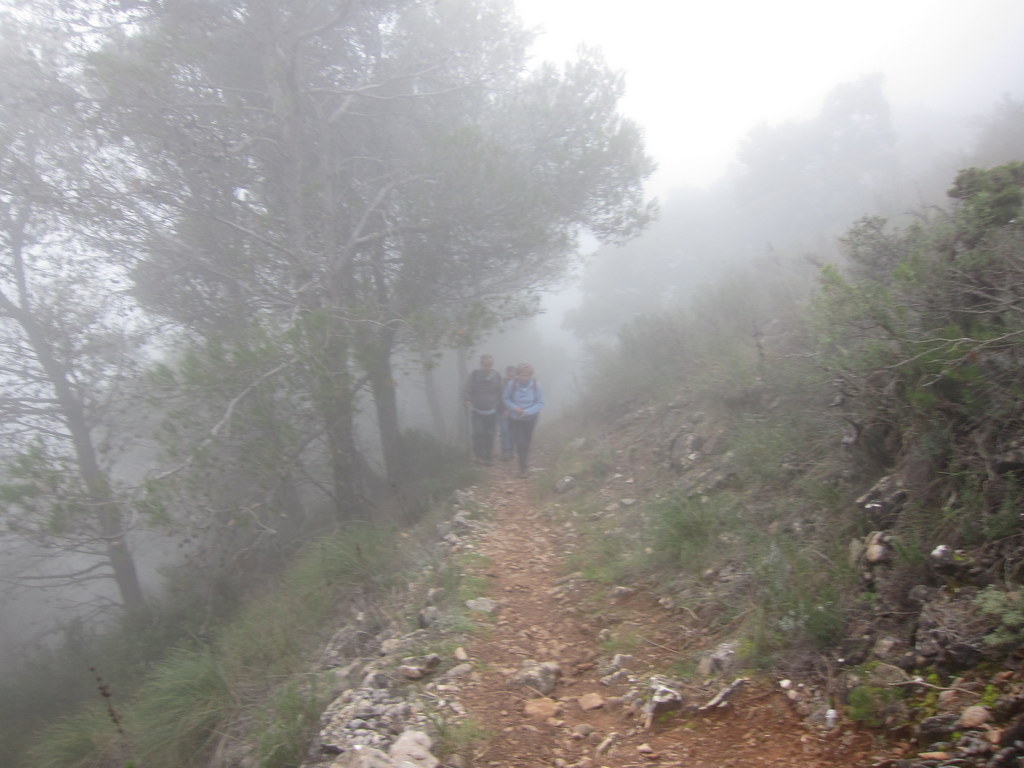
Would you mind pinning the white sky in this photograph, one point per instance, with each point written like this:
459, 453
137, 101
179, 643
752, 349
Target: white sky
700, 75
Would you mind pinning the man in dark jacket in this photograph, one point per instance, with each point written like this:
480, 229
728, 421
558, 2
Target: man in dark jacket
483, 398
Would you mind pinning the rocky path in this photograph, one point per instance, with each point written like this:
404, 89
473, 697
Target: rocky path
561, 664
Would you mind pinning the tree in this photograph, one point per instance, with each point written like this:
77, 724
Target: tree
1001, 135
923, 336
818, 175
69, 332
303, 176
522, 174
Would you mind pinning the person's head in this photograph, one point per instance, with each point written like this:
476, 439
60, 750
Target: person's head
486, 362
510, 371
524, 371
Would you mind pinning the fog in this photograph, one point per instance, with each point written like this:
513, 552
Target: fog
320, 284
699, 76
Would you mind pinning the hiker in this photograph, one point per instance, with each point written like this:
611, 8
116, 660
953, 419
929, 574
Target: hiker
524, 400
483, 399
504, 436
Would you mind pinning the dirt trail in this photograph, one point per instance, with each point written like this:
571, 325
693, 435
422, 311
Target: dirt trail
545, 616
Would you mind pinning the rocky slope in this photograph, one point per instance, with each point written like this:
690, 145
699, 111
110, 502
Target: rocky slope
561, 671
537, 665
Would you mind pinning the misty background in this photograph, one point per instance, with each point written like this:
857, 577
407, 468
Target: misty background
185, 382
719, 92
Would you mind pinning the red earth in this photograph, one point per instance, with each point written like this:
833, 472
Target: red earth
545, 615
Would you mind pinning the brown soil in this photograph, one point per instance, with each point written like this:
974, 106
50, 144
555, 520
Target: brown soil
545, 617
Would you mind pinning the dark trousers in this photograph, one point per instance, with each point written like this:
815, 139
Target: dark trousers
483, 425
521, 432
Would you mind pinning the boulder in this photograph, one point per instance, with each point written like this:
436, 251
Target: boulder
412, 750
539, 677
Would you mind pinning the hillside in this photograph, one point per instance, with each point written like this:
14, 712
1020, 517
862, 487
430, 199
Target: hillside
561, 669
581, 638
816, 525
797, 496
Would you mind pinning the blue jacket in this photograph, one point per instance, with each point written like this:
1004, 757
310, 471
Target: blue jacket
529, 397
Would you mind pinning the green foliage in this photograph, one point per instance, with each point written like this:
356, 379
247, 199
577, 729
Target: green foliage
910, 552
292, 713
604, 555
468, 578
42, 493
180, 708
589, 464
434, 467
185, 700
1007, 610
621, 641
990, 696
871, 704
272, 630
654, 349
85, 740
922, 331
799, 597
991, 198
458, 737
693, 533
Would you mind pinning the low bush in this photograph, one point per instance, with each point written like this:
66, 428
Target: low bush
1007, 612
200, 693
693, 533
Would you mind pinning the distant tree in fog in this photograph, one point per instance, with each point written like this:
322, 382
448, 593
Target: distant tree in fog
796, 185
68, 331
817, 175
1000, 135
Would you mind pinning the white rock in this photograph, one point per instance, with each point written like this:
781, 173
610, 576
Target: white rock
413, 747
974, 717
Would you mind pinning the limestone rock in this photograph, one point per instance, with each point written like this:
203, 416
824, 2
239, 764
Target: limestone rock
663, 698
882, 504
564, 484
412, 749
541, 678
974, 717
482, 604
719, 661
542, 708
363, 757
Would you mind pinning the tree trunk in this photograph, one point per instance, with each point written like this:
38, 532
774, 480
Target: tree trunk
109, 521
334, 402
385, 400
122, 562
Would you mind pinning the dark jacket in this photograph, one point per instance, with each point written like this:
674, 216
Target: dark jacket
483, 390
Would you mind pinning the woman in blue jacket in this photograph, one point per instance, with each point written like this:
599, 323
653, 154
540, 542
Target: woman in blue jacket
524, 400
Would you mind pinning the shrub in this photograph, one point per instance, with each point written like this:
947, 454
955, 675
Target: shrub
692, 533
87, 739
294, 712
1007, 610
872, 705
179, 709
798, 592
